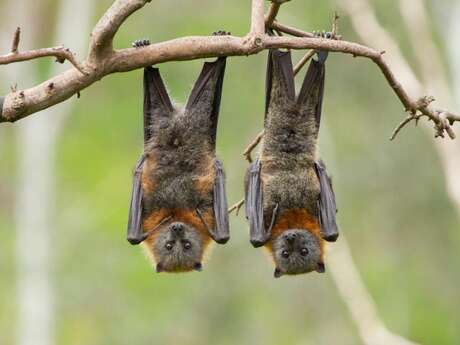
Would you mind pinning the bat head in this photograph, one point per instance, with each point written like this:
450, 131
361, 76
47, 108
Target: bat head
177, 247
297, 251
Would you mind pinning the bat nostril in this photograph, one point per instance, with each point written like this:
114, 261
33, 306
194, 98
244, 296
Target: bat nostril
290, 238
177, 228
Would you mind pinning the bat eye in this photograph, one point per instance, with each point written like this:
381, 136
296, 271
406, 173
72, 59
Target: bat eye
169, 246
187, 245
304, 251
285, 254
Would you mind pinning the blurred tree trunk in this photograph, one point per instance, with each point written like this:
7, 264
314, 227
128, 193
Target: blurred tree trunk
434, 77
36, 139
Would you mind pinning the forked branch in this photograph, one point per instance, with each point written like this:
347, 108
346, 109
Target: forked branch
60, 53
103, 60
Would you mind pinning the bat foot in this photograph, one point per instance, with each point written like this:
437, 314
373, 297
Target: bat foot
221, 33
323, 34
141, 43
322, 55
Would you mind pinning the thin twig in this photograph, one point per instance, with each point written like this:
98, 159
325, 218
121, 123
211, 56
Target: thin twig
236, 207
252, 146
335, 27
60, 53
403, 123
291, 30
16, 39
272, 13
303, 61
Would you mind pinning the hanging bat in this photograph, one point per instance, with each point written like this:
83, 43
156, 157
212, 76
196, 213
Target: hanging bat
178, 202
290, 203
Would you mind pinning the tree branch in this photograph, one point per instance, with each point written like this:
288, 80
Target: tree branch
257, 18
102, 36
60, 53
103, 60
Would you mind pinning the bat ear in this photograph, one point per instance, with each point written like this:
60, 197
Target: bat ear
159, 268
312, 92
320, 268
280, 77
157, 104
204, 100
277, 273
198, 267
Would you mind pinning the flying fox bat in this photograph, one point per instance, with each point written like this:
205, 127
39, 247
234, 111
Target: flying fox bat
290, 203
178, 202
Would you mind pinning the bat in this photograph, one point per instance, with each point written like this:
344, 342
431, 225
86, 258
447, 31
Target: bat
178, 201
290, 202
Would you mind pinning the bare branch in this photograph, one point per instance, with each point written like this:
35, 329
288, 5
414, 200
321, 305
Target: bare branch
60, 53
103, 60
257, 19
403, 123
290, 30
102, 36
272, 13
252, 146
16, 38
303, 61
236, 207
335, 27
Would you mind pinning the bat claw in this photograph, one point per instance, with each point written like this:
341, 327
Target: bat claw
141, 43
323, 34
221, 33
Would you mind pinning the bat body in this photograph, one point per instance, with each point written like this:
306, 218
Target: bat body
290, 203
178, 204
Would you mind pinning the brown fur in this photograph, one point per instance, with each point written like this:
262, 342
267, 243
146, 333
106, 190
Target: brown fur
296, 219
178, 215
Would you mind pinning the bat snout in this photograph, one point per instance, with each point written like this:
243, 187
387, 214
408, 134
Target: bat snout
290, 238
177, 228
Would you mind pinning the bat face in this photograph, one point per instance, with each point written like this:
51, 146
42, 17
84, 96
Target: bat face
177, 247
297, 251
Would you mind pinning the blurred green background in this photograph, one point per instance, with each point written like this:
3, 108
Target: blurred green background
393, 206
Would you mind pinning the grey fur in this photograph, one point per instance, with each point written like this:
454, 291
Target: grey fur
182, 153
179, 256
288, 152
287, 176
291, 243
